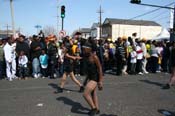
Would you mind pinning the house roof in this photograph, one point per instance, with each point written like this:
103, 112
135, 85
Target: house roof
130, 22
82, 30
95, 25
5, 32
85, 30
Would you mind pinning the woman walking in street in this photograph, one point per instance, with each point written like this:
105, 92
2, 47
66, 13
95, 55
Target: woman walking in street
172, 63
94, 76
68, 65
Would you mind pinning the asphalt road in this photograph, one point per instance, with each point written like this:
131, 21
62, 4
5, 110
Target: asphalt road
121, 96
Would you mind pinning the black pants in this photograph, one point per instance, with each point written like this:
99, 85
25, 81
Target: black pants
23, 71
154, 64
164, 64
1, 69
148, 65
139, 66
44, 72
119, 66
53, 65
133, 68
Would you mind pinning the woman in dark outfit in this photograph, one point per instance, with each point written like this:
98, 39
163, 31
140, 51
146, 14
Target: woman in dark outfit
172, 63
52, 53
94, 76
68, 67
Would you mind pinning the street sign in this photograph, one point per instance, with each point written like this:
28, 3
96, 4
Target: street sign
62, 33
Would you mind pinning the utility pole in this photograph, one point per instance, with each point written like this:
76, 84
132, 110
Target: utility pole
174, 25
100, 25
57, 15
172, 28
57, 18
7, 29
12, 16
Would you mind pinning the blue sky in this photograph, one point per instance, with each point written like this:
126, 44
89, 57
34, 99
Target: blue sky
79, 13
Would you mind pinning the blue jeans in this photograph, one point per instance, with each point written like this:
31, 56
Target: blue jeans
36, 66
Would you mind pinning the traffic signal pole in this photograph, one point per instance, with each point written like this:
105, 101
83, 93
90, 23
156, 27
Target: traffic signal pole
156, 6
62, 16
62, 26
172, 32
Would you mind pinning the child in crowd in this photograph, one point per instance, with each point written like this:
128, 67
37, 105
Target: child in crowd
133, 60
22, 63
44, 63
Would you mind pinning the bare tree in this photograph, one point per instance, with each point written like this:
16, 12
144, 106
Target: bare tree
49, 30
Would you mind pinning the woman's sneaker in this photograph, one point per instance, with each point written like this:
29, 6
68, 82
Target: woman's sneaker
93, 112
81, 89
98, 112
167, 86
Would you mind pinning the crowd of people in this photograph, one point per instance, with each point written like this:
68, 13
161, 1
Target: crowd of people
40, 56
49, 57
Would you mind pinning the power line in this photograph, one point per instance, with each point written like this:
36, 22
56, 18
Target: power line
163, 18
149, 12
160, 14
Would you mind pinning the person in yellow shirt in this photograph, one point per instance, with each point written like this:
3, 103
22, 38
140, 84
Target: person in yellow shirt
74, 47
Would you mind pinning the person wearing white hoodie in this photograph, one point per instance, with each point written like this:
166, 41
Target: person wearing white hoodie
144, 61
10, 58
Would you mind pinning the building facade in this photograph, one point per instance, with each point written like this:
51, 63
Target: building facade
114, 28
95, 31
5, 34
85, 32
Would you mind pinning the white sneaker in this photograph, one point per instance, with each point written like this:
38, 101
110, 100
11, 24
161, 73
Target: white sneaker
140, 73
54, 75
125, 73
10, 79
39, 75
43, 77
166, 73
35, 76
14, 77
146, 72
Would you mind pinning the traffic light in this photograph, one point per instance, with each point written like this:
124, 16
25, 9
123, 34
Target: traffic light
135, 1
62, 11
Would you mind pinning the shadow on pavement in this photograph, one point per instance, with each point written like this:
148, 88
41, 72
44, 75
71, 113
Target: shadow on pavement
57, 88
108, 115
76, 107
166, 112
152, 82
71, 90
